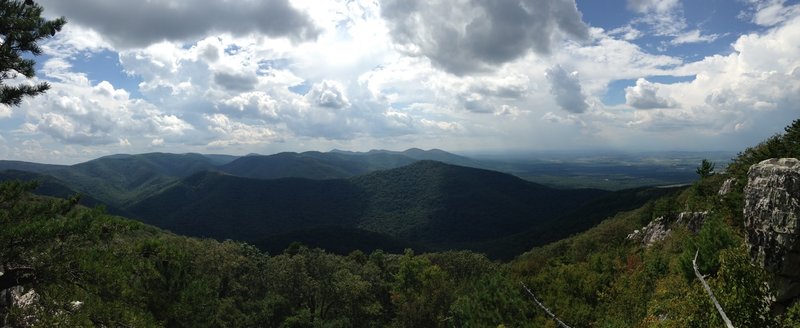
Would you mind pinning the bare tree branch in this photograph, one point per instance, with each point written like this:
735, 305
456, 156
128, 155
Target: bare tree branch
546, 310
710, 293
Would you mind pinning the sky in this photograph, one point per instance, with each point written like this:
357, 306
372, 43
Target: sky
239, 77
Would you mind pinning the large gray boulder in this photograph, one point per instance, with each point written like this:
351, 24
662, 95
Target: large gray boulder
771, 210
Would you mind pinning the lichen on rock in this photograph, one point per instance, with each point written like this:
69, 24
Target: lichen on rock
771, 210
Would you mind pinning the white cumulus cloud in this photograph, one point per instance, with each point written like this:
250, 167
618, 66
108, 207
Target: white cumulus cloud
644, 95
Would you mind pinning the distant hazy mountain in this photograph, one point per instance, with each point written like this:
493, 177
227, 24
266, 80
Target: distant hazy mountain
427, 202
419, 154
28, 166
219, 159
312, 165
333, 165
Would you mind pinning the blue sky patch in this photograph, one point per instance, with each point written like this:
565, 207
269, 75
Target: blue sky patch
105, 66
300, 89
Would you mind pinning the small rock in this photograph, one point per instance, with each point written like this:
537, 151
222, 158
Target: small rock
727, 187
24, 300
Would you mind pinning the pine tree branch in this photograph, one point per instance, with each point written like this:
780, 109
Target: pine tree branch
710, 293
546, 310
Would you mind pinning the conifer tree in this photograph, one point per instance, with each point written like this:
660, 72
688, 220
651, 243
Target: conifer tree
706, 169
21, 27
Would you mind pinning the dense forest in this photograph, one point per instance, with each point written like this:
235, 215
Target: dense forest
78, 266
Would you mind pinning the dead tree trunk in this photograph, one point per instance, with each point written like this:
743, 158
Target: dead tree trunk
546, 310
710, 293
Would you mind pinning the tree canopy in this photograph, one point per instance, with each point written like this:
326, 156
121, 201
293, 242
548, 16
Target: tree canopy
21, 28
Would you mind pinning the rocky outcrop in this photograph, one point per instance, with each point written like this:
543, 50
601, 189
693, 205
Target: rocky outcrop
771, 210
727, 187
660, 228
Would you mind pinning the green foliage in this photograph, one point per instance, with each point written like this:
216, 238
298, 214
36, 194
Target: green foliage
421, 293
713, 238
791, 318
491, 301
663, 207
130, 274
780, 145
742, 289
21, 28
336, 239
706, 169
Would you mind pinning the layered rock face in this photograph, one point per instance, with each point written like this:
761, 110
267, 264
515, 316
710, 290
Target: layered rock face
771, 211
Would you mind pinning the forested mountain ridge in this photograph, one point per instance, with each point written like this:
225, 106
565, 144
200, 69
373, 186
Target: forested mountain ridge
122, 179
118, 180
437, 202
427, 202
313, 165
223, 206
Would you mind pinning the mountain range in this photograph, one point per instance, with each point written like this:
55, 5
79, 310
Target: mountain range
376, 199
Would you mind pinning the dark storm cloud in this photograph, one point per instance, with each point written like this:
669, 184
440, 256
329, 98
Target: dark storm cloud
135, 23
235, 82
462, 38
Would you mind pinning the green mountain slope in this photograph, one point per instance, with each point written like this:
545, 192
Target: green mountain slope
119, 180
426, 202
440, 203
229, 207
574, 221
50, 186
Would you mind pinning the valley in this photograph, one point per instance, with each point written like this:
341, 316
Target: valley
431, 199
